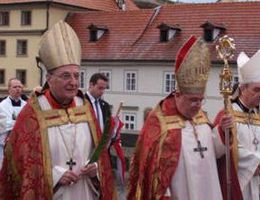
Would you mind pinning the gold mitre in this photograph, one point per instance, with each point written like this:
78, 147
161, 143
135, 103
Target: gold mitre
60, 46
192, 66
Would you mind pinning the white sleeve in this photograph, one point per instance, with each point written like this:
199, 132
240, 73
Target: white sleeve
57, 173
248, 162
2, 121
218, 144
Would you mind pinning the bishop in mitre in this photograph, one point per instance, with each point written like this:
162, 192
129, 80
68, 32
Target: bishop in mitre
176, 152
245, 151
47, 153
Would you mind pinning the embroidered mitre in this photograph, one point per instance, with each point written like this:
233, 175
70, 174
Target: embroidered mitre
192, 66
60, 46
248, 68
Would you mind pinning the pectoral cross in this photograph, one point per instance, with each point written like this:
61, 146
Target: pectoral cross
70, 162
200, 149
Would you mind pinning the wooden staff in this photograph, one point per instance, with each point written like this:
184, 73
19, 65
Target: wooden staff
119, 108
225, 49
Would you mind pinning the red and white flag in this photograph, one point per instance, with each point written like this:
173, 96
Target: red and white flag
121, 163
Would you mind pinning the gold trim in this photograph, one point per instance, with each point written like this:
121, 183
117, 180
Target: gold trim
172, 122
45, 145
243, 118
57, 117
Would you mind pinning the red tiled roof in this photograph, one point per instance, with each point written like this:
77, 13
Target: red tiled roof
107, 5
130, 36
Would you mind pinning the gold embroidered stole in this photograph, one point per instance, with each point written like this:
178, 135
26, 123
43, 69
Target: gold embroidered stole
168, 123
58, 117
243, 118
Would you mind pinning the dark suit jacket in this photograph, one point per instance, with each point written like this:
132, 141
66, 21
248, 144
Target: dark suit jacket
105, 107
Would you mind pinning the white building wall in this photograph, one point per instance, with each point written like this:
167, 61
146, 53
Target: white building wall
149, 87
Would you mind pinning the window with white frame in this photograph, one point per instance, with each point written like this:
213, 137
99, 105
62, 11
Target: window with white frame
108, 74
82, 79
129, 121
169, 82
130, 80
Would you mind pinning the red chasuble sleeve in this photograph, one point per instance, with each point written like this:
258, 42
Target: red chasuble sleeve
236, 193
156, 156
26, 173
22, 175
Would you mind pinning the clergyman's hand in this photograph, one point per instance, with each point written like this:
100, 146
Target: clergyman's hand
226, 122
89, 170
69, 177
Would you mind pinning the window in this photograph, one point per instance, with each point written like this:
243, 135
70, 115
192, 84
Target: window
26, 18
164, 36
2, 47
82, 80
167, 32
21, 75
212, 31
93, 35
96, 32
130, 81
169, 82
129, 121
208, 35
21, 47
2, 76
4, 18
107, 73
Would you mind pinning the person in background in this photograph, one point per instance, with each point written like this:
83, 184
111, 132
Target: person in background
48, 153
245, 153
97, 85
10, 108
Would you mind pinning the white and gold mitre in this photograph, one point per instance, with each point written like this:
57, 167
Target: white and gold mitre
192, 66
248, 68
60, 46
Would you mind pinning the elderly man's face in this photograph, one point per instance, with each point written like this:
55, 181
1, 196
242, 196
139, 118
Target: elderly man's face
64, 83
189, 104
251, 94
15, 89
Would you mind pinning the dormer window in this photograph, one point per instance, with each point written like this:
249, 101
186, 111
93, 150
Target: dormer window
96, 32
168, 32
212, 31
121, 4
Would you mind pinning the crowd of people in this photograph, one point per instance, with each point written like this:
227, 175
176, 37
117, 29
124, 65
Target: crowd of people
47, 142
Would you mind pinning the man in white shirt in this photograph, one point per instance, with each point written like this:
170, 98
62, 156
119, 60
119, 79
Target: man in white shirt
10, 108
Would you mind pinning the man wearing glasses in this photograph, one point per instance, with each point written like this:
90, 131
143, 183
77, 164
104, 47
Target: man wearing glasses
47, 154
175, 156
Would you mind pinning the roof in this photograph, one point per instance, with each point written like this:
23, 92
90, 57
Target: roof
133, 35
107, 5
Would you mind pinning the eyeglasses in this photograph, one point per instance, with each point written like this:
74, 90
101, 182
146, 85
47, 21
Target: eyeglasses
195, 102
67, 76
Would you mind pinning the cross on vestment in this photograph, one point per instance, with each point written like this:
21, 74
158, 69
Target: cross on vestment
200, 149
70, 163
